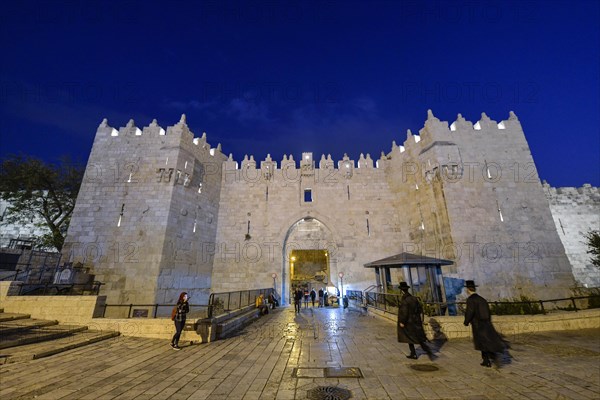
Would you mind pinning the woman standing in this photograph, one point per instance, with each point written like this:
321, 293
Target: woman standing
182, 308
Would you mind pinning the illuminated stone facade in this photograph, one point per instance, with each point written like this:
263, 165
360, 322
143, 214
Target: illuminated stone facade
161, 211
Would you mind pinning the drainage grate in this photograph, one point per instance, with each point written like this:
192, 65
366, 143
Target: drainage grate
328, 393
424, 367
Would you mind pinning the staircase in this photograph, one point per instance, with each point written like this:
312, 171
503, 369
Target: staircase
24, 338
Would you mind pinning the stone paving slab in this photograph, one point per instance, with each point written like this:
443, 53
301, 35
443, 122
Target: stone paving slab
259, 363
52, 347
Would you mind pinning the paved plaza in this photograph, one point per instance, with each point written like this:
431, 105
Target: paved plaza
284, 356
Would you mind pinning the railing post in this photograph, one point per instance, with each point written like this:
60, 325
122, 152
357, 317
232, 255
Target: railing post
129, 313
104, 311
542, 306
155, 310
574, 305
211, 302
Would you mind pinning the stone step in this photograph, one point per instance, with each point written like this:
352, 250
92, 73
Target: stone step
38, 335
45, 349
19, 325
12, 316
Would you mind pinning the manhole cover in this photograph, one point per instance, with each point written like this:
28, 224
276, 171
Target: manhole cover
343, 372
424, 367
308, 373
328, 393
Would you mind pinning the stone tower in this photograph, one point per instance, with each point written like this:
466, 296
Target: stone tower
476, 191
147, 205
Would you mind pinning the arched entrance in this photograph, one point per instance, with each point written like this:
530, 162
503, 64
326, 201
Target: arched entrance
309, 258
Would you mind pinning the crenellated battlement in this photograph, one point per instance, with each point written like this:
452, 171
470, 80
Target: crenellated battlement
288, 162
433, 130
436, 130
179, 132
586, 194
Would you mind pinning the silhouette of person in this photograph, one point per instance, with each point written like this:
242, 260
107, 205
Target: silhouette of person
485, 337
410, 324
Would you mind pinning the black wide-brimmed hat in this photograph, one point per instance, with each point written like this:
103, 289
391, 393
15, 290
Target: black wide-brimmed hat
403, 285
470, 284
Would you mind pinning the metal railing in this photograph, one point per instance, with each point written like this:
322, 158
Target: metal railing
151, 310
16, 275
355, 295
389, 303
225, 302
67, 289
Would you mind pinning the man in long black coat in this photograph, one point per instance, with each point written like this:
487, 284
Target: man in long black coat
485, 337
410, 323
298, 295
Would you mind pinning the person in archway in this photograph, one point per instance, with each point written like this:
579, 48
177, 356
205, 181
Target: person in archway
298, 295
313, 296
306, 296
410, 324
485, 337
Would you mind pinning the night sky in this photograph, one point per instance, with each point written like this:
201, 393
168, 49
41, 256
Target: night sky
287, 77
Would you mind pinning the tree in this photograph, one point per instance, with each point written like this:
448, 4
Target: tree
34, 188
593, 243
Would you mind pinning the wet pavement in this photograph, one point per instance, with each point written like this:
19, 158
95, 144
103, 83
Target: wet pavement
318, 353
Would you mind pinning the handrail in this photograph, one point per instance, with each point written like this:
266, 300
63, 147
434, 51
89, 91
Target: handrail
385, 301
355, 295
235, 300
15, 277
372, 287
60, 289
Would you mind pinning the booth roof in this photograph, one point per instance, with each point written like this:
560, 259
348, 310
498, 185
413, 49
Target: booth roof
402, 259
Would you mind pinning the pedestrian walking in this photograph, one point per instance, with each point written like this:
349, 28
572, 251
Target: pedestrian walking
485, 337
313, 296
306, 296
179, 316
321, 292
298, 295
410, 324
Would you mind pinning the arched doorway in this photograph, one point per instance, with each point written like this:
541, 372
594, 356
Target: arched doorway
309, 257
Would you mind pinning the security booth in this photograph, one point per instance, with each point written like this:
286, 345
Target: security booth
423, 274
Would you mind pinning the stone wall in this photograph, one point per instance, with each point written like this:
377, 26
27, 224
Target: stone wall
576, 211
513, 327
65, 309
161, 211
356, 220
